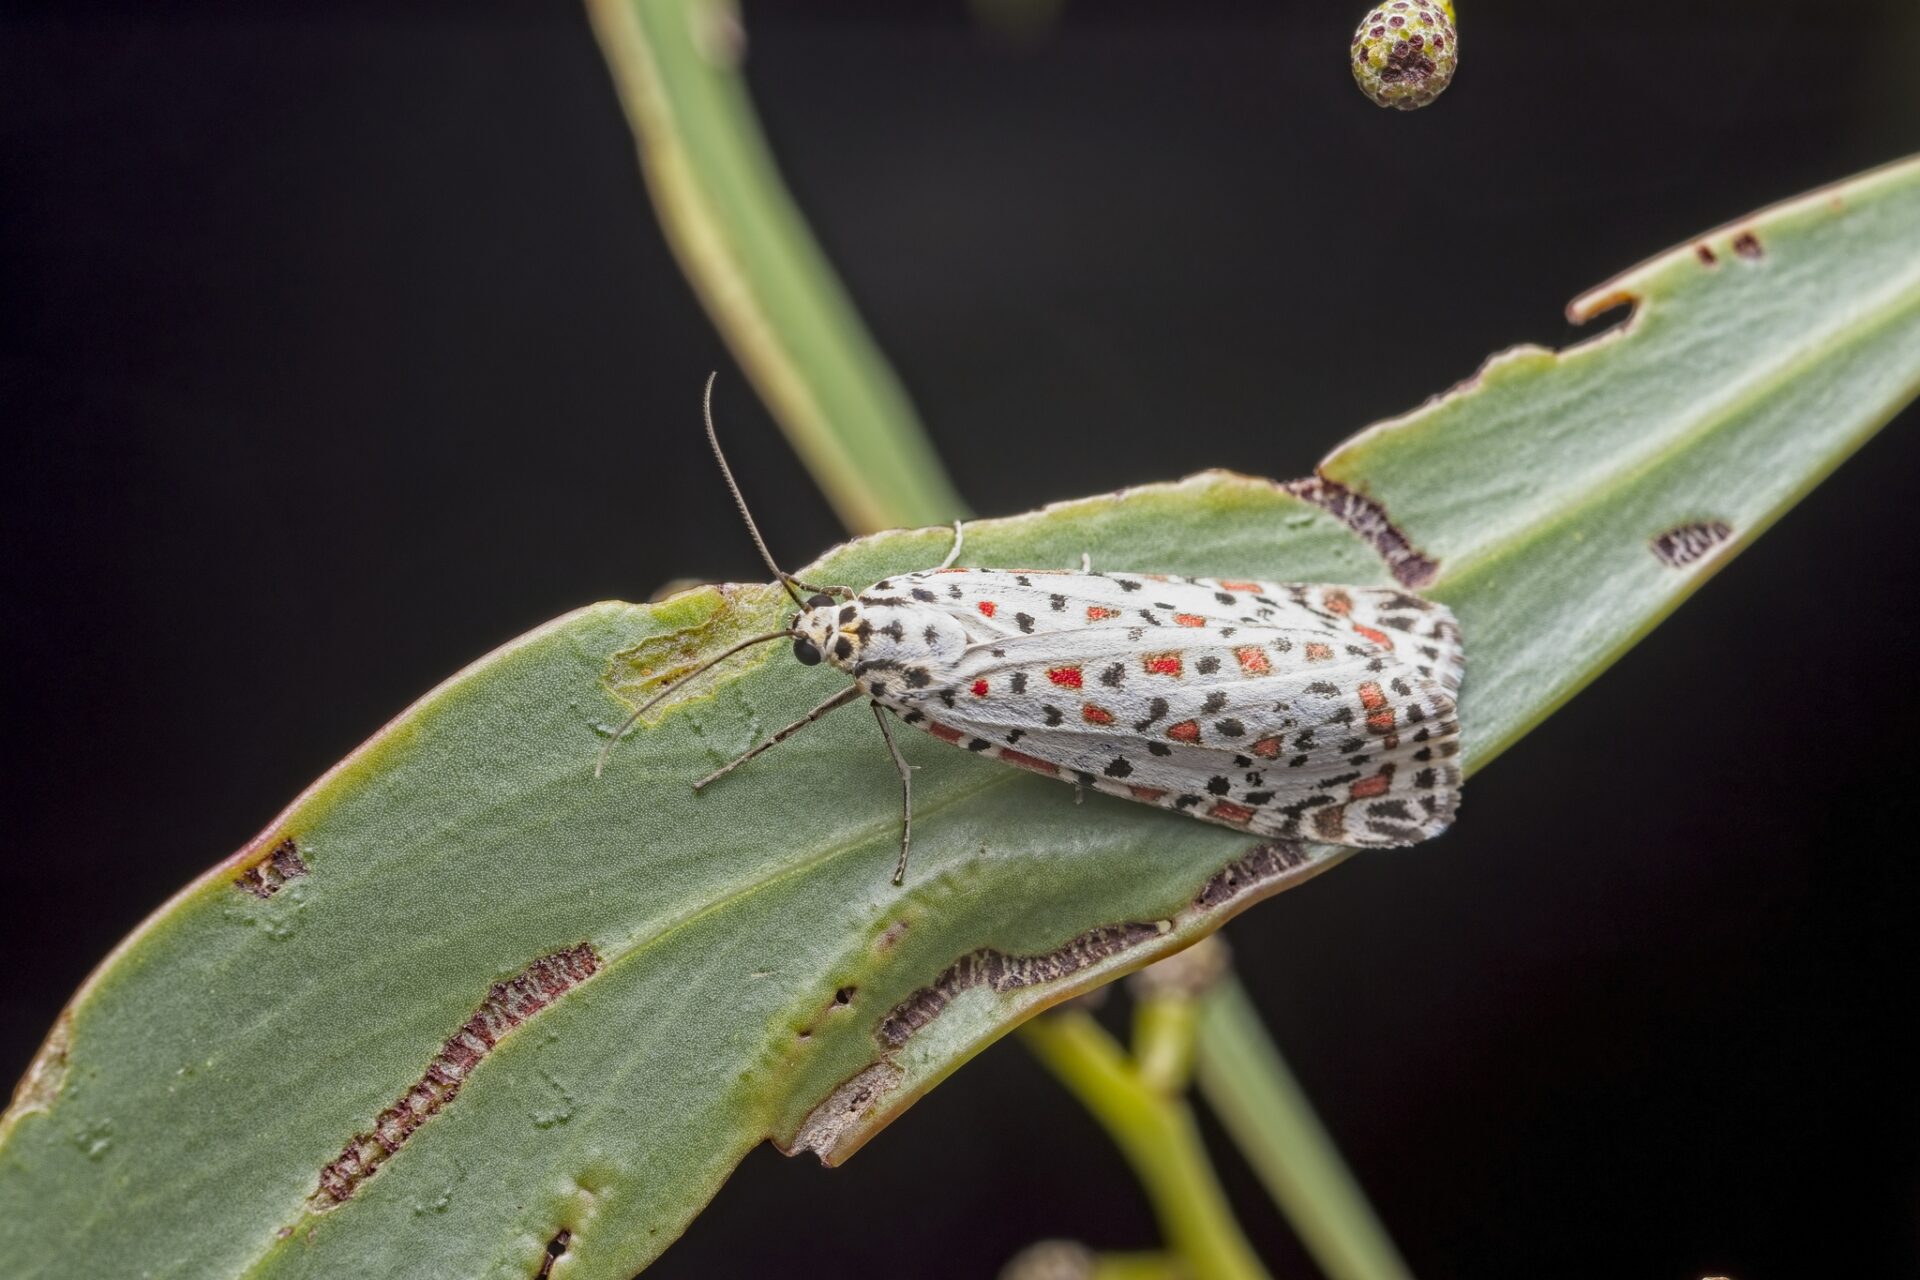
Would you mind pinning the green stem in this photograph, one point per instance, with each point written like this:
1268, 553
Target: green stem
1244, 1080
1164, 1030
1157, 1134
758, 270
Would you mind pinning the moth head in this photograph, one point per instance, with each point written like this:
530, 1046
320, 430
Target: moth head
826, 628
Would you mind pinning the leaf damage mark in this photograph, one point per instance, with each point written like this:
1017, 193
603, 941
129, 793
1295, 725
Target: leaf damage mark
1706, 255
1002, 973
1747, 245
273, 870
1684, 544
46, 1074
1249, 871
508, 1004
556, 1249
642, 670
844, 1109
1410, 566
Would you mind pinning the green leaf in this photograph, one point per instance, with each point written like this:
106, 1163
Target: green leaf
757, 269
751, 971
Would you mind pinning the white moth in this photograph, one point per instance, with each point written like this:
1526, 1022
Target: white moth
1287, 710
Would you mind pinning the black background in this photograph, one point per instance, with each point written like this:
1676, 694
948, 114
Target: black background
341, 345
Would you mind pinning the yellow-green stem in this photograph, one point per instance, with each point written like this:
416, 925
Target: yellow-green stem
1261, 1105
756, 267
1157, 1135
1164, 1028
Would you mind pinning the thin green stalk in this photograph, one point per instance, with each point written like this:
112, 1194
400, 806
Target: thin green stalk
757, 269
1164, 1030
1157, 1134
1262, 1106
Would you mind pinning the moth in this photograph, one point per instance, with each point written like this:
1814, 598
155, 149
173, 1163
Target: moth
1292, 710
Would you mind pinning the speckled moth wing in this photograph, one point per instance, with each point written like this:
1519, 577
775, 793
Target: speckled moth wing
1305, 711
1025, 602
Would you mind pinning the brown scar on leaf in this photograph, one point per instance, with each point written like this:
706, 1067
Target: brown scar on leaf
1002, 972
1260, 865
270, 873
842, 1122
1410, 566
46, 1075
1706, 255
844, 1109
556, 1249
508, 1004
1747, 245
1683, 544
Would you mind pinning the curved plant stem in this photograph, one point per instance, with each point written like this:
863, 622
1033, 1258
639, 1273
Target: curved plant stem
1244, 1080
1157, 1134
757, 269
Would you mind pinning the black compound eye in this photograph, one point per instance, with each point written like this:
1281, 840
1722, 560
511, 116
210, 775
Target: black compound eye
819, 601
806, 651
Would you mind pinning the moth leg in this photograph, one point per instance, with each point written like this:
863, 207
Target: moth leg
906, 793
1086, 562
954, 554
834, 703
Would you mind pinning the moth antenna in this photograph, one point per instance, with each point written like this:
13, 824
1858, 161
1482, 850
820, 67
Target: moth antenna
713, 438
606, 752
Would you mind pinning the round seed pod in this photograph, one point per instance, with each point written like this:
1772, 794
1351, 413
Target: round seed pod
1404, 52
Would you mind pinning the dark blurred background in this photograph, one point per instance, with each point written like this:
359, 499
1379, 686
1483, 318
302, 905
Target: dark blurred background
340, 345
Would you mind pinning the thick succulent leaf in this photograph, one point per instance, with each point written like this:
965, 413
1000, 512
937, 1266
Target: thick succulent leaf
652, 982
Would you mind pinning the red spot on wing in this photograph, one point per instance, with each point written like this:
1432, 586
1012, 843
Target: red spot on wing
1317, 652
1379, 713
1068, 676
1162, 664
1099, 613
1026, 761
1368, 788
1185, 731
1226, 811
1189, 620
945, 733
1253, 660
1380, 638
979, 688
1096, 715
1338, 602
1267, 748
1253, 587
987, 607
1152, 795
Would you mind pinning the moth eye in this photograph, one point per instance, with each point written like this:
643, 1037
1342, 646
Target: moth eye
806, 651
819, 601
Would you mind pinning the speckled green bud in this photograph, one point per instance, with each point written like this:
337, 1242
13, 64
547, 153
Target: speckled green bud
1404, 52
